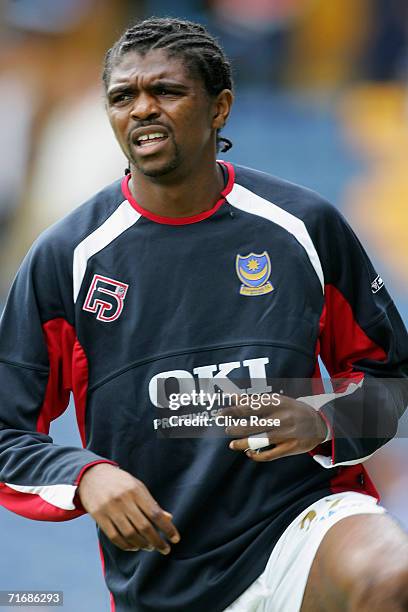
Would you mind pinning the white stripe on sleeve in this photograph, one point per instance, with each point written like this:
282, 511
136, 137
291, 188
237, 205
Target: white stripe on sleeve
60, 495
120, 220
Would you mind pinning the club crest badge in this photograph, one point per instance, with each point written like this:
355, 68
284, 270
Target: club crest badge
254, 271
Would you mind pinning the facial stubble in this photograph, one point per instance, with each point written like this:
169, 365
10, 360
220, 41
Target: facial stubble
171, 165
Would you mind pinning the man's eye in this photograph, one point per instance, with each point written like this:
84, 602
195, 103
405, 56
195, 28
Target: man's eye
165, 91
121, 98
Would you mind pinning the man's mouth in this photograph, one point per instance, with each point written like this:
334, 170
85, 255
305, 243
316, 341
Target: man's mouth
148, 140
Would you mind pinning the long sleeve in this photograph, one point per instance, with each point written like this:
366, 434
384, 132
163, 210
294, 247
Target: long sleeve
40, 363
364, 346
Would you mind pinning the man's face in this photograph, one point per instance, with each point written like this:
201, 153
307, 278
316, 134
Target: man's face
161, 115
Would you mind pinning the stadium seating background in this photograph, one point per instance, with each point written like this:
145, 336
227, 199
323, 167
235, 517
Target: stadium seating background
321, 100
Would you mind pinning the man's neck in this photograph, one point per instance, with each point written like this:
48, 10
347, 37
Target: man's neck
193, 194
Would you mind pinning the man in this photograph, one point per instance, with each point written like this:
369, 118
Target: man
164, 281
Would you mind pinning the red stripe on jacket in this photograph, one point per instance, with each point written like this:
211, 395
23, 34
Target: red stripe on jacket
341, 343
68, 370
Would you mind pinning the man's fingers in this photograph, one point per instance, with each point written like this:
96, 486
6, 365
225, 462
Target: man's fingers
111, 532
243, 444
284, 449
158, 517
162, 520
148, 531
125, 510
133, 532
129, 533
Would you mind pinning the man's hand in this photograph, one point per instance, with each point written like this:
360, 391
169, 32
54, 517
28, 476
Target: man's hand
301, 429
125, 511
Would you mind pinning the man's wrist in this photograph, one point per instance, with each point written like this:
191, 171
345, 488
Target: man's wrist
97, 466
93, 464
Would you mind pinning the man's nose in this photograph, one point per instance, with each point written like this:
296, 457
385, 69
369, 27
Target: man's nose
144, 107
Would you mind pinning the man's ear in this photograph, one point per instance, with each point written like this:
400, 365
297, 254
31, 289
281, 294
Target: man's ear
222, 108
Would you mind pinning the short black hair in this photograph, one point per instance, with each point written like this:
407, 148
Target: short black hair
201, 52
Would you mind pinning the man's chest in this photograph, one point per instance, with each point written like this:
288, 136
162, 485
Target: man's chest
169, 291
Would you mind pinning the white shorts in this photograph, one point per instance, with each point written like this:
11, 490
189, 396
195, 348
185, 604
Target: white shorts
281, 586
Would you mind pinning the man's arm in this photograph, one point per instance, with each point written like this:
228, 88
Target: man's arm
364, 345
38, 479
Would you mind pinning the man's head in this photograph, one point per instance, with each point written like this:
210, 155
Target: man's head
171, 75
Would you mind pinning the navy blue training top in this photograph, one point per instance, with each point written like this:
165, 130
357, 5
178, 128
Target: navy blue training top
120, 306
